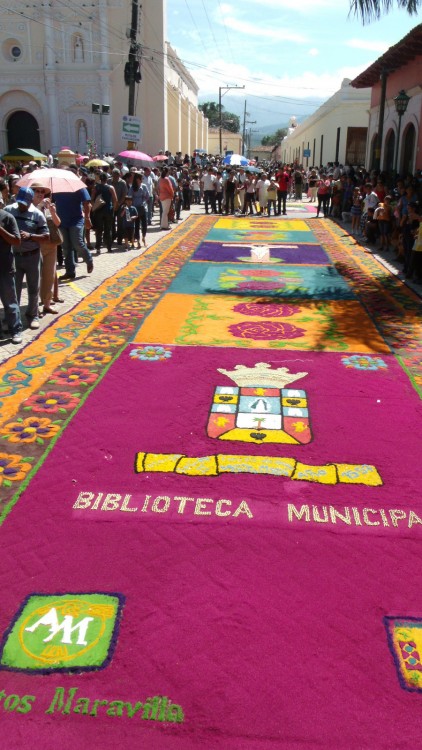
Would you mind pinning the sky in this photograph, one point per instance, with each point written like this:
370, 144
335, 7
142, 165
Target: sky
291, 55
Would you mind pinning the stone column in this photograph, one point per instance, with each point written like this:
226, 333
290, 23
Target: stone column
52, 129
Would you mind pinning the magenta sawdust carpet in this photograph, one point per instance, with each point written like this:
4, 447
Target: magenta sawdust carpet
211, 510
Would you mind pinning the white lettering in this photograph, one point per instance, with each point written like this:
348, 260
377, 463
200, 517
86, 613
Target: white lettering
50, 619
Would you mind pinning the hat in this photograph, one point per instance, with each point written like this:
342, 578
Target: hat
25, 195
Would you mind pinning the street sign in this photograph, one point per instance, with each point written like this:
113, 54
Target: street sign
229, 153
307, 152
131, 128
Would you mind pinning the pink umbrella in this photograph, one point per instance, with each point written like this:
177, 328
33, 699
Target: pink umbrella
160, 157
136, 156
56, 180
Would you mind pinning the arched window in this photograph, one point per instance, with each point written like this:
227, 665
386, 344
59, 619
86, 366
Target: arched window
389, 151
23, 131
372, 158
408, 150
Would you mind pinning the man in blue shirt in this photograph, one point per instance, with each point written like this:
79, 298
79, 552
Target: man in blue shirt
33, 230
74, 212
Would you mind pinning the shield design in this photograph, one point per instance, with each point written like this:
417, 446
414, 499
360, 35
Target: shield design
256, 414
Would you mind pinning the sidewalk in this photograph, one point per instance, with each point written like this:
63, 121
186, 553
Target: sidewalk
105, 266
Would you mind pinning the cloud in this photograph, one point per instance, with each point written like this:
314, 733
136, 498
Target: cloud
313, 52
304, 6
301, 87
370, 45
244, 27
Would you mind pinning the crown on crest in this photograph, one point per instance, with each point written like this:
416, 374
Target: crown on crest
262, 375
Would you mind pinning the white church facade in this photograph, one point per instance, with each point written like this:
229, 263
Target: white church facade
60, 57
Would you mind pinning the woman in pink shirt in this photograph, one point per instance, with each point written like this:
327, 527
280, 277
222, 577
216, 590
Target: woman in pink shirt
166, 195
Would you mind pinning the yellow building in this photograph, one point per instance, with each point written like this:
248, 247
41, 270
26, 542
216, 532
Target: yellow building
58, 59
229, 141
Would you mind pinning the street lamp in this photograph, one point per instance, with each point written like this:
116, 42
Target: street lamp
225, 89
100, 109
400, 102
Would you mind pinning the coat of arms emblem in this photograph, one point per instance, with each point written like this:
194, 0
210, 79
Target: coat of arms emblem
261, 407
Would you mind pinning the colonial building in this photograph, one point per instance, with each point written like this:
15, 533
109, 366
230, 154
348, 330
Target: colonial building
395, 143
60, 57
229, 141
336, 132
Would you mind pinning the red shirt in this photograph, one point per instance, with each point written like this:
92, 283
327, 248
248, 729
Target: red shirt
283, 179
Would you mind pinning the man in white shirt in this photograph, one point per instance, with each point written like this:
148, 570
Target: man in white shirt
209, 187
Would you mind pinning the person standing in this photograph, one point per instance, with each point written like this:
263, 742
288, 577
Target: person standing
73, 210
33, 230
283, 179
149, 183
231, 186
208, 185
105, 214
120, 188
49, 286
9, 235
165, 195
139, 195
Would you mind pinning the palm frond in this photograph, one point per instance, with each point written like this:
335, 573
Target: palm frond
372, 10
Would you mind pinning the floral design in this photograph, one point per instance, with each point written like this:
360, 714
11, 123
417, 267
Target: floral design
90, 358
266, 309
30, 430
56, 346
106, 339
151, 353
363, 362
262, 330
260, 285
259, 272
51, 402
13, 468
115, 325
73, 376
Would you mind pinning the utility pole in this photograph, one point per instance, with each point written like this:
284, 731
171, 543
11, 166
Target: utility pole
245, 115
225, 89
132, 72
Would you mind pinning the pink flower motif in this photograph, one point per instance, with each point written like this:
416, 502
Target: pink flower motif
266, 309
259, 272
263, 330
260, 285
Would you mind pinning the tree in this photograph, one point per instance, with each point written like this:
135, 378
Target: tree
372, 10
229, 120
275, 138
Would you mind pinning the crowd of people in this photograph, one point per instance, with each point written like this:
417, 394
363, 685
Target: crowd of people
40, 232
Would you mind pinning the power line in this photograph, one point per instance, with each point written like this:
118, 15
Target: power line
211, 28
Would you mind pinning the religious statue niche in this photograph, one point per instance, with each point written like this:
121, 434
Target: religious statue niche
78, 52
260, 408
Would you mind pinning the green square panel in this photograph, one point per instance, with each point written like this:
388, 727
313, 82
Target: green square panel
62, 633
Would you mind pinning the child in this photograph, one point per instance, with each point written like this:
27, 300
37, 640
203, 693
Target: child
128, 214
356, 210
196, 190
272, 196
383, 214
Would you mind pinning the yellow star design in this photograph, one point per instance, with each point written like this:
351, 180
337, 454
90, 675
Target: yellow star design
221, 421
